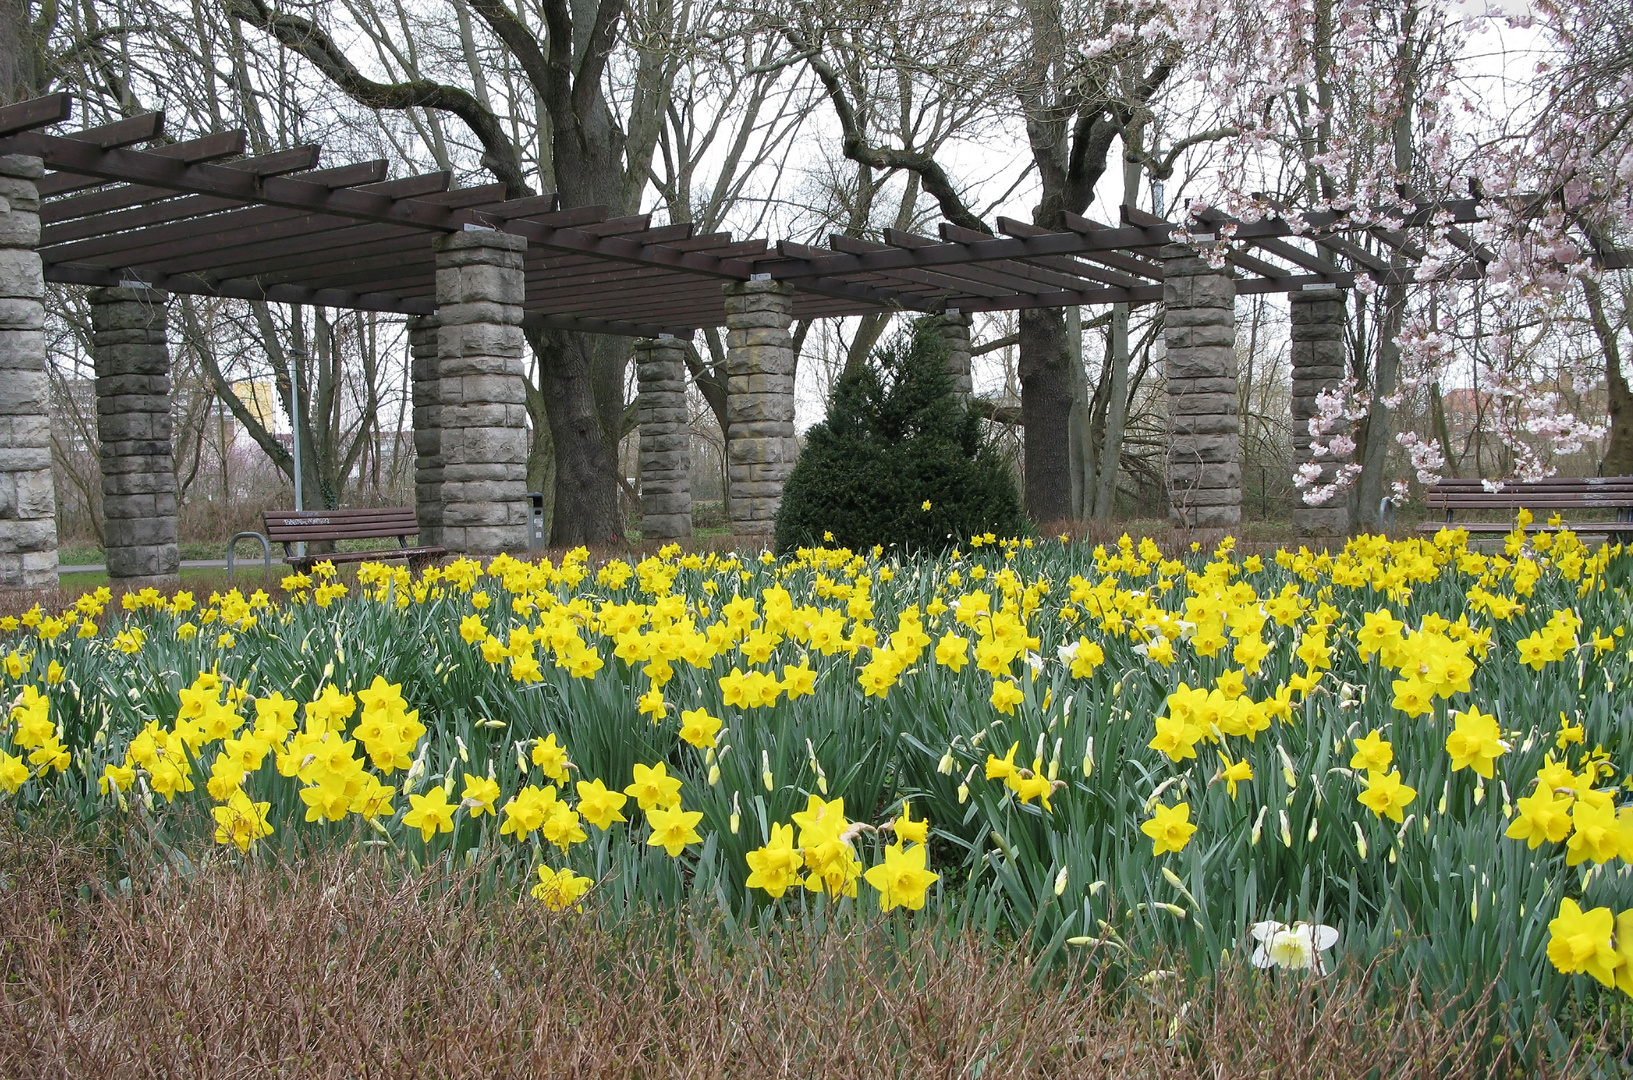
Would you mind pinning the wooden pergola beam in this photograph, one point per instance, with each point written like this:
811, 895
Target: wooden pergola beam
35, 113
186, 207
222, 144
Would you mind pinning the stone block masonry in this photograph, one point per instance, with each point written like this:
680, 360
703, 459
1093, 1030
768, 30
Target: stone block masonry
28, 501
955, 331
481, 402
1318, 365
666, 438
1204, 433
760, 444
132, 356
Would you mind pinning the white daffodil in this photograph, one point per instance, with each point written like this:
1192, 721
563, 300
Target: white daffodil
1296, 947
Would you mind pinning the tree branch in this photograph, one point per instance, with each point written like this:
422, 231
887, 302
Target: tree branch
856, 146
308, 40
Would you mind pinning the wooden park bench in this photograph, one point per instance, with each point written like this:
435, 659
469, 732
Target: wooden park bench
289, 527
1542, 498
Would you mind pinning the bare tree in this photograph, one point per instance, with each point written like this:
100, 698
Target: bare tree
1074, 104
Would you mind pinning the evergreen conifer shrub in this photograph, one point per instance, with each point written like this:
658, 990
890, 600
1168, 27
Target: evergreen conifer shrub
895, 438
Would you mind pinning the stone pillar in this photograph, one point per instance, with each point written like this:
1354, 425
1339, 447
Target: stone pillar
28, 501
133, 424
481, 400
1204, 433
666, 438
955, 331
426, 375
1318, 364
760, 444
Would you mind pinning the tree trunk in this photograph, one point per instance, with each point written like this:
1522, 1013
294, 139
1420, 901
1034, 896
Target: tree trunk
1443, 433
1619, 450
1046, 406
1079, 439
1375, 451
586, 493
19, 66
1111, 453
541, 454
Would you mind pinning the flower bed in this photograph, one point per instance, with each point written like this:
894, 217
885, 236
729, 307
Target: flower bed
1406, 750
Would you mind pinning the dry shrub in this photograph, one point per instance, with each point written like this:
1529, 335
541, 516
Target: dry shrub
338, 967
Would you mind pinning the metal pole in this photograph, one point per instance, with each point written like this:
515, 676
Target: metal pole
297, 360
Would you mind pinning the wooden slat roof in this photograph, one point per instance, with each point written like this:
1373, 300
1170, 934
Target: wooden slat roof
198, 217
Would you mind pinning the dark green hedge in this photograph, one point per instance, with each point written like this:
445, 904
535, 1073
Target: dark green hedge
893, 439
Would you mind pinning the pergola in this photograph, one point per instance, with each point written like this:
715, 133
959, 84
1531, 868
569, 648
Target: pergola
473, 269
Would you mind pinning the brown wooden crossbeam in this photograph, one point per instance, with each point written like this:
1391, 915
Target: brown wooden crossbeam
176, 226
238, 288
1066, 298
601, 285
274, 227
601, 326
1067, 265
955, 279
174, 208
1355, 253
142, 127
370, 252
264, 232
1142, 267
35, 113
137, 166
222, 144
1009, 275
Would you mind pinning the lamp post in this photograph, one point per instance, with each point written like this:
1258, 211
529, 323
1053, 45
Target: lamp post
297, 361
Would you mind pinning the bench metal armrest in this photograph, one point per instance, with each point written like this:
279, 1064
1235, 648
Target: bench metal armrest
266, 554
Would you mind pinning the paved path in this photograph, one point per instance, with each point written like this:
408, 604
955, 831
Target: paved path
246, 565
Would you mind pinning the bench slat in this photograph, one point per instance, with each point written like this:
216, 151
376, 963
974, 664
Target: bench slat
1585, 502
1496, 527
1535, 486
364, 533
289, 527
306, 562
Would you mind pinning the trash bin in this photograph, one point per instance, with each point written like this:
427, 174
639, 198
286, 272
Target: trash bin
535, 521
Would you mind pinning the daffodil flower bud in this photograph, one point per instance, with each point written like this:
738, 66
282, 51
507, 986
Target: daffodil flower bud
1060, 881
946, 765
1286, 831
1258, 827
1360, 841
